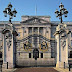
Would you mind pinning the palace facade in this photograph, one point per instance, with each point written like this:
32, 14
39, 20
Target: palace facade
36, 44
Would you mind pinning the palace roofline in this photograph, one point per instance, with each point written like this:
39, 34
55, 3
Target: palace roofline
51, 22
65, 22
6, 22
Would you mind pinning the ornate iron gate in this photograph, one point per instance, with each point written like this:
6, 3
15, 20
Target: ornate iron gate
27, 56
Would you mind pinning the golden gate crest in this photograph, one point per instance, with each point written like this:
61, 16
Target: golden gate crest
43, 46
27, 46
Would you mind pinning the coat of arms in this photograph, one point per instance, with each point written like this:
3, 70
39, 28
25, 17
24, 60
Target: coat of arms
44, 46
27, 46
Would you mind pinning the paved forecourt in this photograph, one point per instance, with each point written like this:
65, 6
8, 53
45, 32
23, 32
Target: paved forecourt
36, 69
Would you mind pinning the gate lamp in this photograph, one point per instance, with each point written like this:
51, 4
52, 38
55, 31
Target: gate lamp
62, 11
9, 11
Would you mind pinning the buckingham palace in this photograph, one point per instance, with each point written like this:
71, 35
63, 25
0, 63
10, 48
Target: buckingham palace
35, 44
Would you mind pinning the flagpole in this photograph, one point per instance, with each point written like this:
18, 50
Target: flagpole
36, 10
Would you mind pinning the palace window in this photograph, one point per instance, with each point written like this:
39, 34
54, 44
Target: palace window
0, 54
70, 54
29, 55
71, 43
0, 35
71, 34
41, 55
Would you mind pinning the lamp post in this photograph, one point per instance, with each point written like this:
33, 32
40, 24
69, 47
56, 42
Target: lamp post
9, 11
62, 11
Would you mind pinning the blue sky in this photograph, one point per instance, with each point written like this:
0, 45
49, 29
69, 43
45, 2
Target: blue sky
44, 7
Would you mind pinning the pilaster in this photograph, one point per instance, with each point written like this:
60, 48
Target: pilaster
38, 30
44, 31
38, 38
49, 33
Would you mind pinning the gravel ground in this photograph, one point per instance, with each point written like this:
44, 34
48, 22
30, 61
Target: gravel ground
39, 69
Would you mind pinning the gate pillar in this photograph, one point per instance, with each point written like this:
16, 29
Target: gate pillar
9, 46
62, 38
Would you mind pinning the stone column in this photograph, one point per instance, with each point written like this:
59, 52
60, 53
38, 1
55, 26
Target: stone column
23, 31
32, 29
27, 31
38, 38
38, 30
44, 31
49, 32
32, 37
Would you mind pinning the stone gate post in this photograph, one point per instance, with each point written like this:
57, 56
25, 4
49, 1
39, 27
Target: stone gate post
9, 46
61, 36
